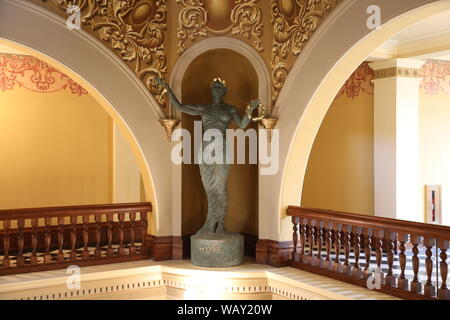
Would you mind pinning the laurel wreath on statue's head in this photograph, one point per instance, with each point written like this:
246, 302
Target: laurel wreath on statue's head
262, 113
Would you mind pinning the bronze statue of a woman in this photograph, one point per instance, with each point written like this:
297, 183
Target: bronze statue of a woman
217, 115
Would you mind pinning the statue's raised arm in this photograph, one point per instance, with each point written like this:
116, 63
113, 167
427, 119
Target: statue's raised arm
242, 122
191, 109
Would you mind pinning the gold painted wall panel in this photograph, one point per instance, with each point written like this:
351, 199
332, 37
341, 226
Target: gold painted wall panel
56, 150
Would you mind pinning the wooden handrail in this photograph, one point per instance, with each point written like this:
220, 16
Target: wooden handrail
352, 247
394, 225
68, 211
82, 235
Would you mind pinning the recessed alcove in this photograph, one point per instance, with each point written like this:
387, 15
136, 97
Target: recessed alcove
242, 84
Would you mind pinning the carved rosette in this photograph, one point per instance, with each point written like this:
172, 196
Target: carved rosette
294, 22
134, 29
199, 18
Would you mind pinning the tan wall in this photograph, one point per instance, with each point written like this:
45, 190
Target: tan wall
435, 146
127, 181
243, 182
55, 149
340, 169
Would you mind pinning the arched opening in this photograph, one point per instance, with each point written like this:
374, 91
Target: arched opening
300, 123
122, 96
383, 143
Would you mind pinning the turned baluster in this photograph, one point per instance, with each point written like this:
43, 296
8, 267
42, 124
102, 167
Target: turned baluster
328, 241
307, 242
109, 250
402, 281
6, 228
390, 279
302, 240
143, 217
132, 233
319, 243
443, 292
85, 255
48, 224
73, 238
34, 234
416, 285
312, 240
367, 251
379, 250
346, 234
98, 229
429, 288
20, 239
379, 239
294, 237
121, 233
60, 257
337, 247
356, 231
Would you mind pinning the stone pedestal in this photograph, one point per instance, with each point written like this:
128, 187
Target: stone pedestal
217, 250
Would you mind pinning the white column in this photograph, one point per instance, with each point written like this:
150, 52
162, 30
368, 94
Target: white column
396, 139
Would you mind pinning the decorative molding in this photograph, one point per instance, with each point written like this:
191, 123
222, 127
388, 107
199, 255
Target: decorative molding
199, 18
360, 81
435, 77
177, 74
434, 74
269, 124
33, 74
294, 22
148, 280
273, 253
169, 125
164, 248
133, 29
396, 72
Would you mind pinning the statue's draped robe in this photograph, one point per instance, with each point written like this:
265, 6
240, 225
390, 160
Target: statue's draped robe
215, 179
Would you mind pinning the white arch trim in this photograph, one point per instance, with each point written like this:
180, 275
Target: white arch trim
108, 79
305, 103
236, 45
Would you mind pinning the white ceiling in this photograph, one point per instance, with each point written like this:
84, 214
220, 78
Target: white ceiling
432, 26
427, 39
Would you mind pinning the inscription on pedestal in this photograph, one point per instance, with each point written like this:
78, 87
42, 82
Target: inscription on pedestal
210, 249
217, 251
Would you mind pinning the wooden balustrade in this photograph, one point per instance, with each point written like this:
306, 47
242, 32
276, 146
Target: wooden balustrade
40, 239
411, 257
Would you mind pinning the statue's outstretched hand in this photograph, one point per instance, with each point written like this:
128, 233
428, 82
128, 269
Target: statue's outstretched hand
254, 104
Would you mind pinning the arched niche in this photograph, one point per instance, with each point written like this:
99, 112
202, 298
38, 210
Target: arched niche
242, 84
